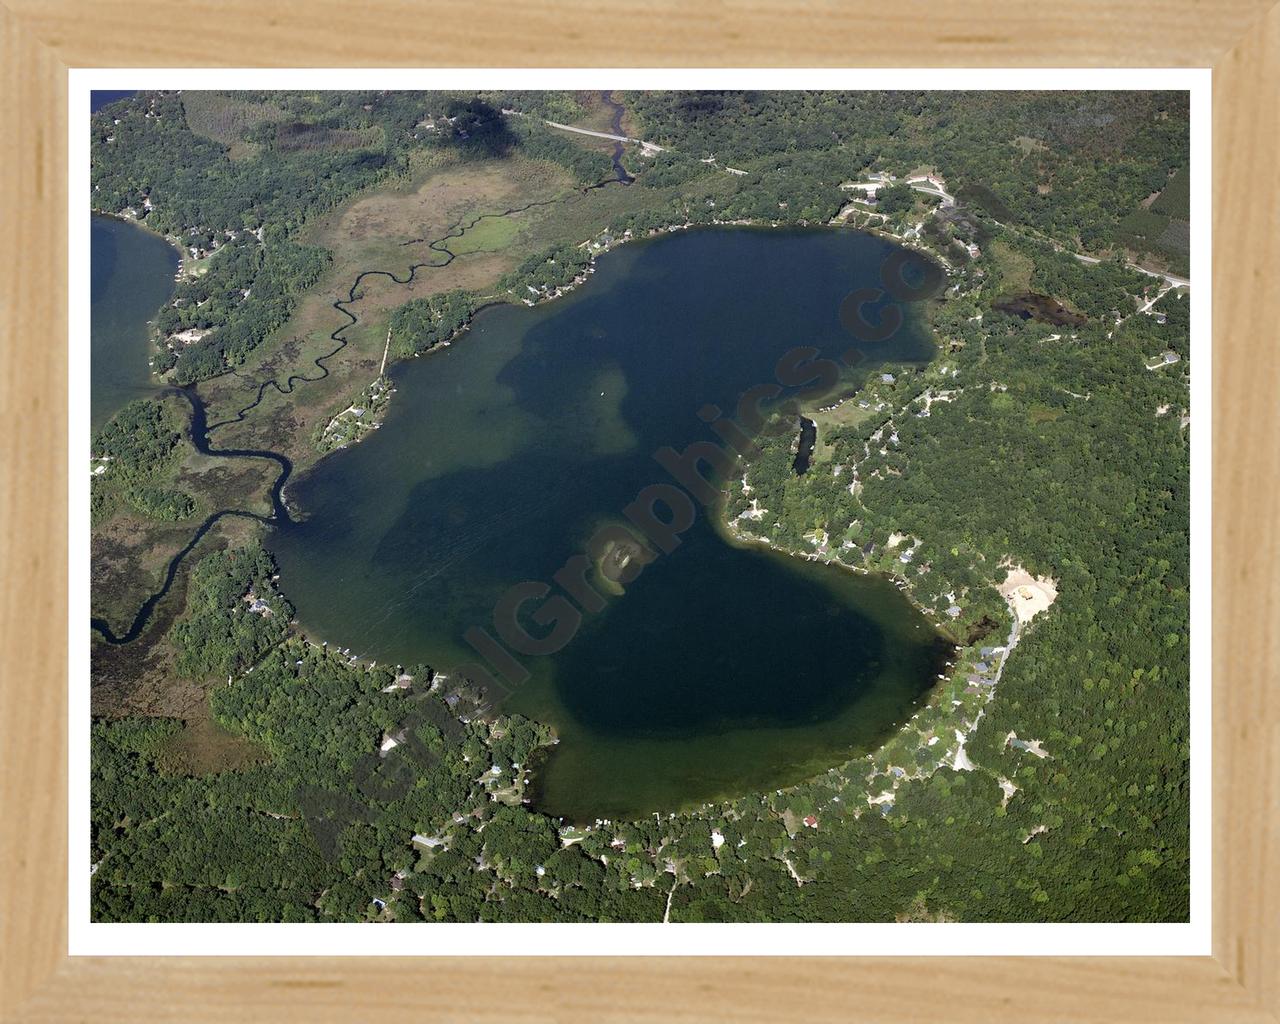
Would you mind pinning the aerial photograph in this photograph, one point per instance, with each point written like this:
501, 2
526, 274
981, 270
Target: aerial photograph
639, 506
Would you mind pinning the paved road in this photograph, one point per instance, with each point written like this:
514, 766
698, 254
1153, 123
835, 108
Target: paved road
1175, 282
648, 147
927, 187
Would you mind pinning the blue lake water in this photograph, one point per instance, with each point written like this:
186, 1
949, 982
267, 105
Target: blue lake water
722, 668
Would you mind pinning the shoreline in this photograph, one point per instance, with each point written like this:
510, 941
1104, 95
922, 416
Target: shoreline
951, 754
983, 658
720, 522
511, 299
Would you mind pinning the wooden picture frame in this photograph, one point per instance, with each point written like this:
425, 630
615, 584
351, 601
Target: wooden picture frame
41, 39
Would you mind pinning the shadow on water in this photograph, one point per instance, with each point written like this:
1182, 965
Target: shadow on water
722, 668
483, 131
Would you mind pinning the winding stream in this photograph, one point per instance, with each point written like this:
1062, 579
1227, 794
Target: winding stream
726, 667
200, 429
615, 128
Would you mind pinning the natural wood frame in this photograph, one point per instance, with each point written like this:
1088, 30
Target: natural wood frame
40, 39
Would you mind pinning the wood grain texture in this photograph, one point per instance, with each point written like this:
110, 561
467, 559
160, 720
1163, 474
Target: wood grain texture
33, 510
651, 33
1246, 376
38, 40
651, 991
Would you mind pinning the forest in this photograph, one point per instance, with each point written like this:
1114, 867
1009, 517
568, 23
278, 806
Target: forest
1098, 830
1070, 165
231, 178
384, 793
424, 323
545, 272
1066, 453
135, 457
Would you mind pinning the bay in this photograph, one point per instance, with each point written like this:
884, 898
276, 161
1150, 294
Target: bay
723, 668
132, 276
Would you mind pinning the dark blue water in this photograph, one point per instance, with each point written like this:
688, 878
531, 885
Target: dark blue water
99, 98
721, 668
131, 277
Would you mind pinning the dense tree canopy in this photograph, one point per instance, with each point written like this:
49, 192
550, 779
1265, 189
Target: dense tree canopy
386, 793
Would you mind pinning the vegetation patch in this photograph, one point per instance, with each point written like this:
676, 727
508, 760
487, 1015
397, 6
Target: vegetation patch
1175, 198
134, 457
226, 118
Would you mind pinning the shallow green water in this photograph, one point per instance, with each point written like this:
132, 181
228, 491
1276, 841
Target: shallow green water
131, 278
721, 669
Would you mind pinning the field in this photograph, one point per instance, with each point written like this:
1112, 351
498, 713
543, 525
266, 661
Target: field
225, 118
140, 678
1175, 200
487, 215
388, 229
1014, 269
1165, 239
131, 552
204, 746
847, 413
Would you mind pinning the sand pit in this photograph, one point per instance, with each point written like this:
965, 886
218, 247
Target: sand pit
1027, 595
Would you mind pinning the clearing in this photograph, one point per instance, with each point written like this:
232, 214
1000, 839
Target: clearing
1027, 595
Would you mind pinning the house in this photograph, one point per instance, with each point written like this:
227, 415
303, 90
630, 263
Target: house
810, 821
887, 378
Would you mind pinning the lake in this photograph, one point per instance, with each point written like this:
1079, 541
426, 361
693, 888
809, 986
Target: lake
723, 668
99, 98
131, 278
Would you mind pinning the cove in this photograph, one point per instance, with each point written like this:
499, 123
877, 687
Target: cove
131, 277
723, 668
